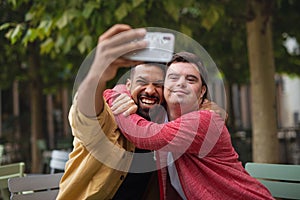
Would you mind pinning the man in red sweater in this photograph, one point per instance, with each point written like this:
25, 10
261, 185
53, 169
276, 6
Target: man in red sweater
194, 151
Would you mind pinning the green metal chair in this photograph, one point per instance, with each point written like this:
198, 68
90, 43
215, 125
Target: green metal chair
1, 152
282, 180
35, 187
7, 172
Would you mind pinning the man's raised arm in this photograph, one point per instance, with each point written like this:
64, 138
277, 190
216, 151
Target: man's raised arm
112, 44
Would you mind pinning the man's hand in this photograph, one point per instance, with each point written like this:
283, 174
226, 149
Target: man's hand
112, 45
124, 104
212, 106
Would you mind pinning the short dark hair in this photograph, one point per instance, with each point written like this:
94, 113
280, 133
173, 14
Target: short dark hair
187, 57
162, 66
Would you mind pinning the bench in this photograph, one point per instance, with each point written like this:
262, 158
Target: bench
282, 180
35, 187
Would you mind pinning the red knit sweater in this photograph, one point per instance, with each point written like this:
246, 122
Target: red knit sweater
206, 162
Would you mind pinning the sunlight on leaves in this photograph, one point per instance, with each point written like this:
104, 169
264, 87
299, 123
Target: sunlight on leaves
47, 46
136, 3
85, 44
122, 11
30, 36
89, 8
172, 9
16, 34
211, 16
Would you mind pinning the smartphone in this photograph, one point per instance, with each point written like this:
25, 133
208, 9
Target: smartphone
160, 48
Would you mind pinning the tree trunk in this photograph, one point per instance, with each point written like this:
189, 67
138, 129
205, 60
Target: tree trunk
0, 113
35, 107
231, 117
16, 111
50, 121
65, 110
262, 71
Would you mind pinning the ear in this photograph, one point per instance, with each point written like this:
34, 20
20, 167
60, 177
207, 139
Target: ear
203, 90
128, 84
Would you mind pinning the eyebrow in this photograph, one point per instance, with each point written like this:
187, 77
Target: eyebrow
171, 74
188, 75
146, 80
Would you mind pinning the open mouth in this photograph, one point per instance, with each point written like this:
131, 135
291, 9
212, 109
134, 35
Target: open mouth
148, 100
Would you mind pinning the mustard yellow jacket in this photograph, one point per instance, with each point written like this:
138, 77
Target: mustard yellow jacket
100, 159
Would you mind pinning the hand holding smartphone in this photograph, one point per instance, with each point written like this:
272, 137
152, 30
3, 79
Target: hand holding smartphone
159, 49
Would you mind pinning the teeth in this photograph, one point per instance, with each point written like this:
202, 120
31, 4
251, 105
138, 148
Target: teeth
148, 101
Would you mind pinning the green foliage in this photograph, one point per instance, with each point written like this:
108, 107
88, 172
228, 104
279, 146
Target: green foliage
212, 16
173, 9
85, 44
12, 57
122, 10
15, 33
70, 29
286, 18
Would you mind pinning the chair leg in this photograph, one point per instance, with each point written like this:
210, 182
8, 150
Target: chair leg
5, 194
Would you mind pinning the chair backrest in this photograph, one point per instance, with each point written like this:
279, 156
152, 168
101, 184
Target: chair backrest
58, 160
9, 171
35, 187
283, 181
1, 152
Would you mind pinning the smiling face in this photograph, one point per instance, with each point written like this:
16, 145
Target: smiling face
146, 87
183, 90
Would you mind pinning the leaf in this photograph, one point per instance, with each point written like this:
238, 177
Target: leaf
211, 17
47, 46
122, 11
186, 30
44, 29
4, 26
172, 9
8, 34
67, 17
48, 27
13, 2
89, 8
62, 21
29, 16
85, 43
136, 3
30, 36
60, 41
73, 13
16, 34
69, 44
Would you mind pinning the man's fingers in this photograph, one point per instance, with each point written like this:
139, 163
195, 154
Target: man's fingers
213, 107
126, 42
120, 100
126, 107
125, 48
125, 62
128, 36
131, 110
123, 103
123, 38
113, 31
118, 45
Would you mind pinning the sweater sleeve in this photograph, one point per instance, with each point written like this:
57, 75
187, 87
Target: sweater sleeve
195, 132
100, 136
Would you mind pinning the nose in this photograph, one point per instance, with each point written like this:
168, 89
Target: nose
181, 81
150, 89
